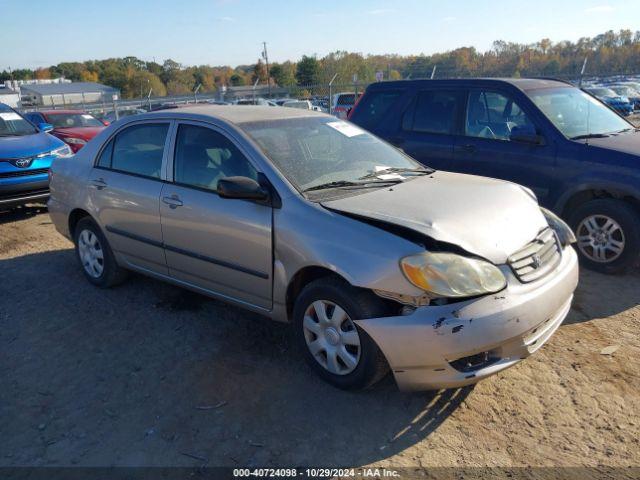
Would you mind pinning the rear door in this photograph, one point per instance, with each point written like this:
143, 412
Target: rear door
428, 125
221, 245
125, 186
485, 146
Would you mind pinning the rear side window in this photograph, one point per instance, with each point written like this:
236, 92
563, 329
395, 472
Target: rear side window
433, 111
139, 149
105, 157
373, 106
346, 99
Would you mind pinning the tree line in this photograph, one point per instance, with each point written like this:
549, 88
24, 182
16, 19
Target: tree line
606, 54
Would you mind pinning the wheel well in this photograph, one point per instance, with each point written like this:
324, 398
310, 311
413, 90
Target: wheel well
74, 217
301, 279
586, 195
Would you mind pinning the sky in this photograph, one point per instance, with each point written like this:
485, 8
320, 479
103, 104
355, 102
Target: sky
231, 32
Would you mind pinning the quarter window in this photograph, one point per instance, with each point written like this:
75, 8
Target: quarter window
496, 116
105, 157
203, 156
433, 112
139, 149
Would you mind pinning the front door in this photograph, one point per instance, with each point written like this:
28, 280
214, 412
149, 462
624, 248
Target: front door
485, 146
221, 245
125, 186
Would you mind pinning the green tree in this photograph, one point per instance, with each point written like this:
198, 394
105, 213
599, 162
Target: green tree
307, 71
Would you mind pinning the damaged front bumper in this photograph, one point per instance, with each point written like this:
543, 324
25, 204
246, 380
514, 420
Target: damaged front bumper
458, 344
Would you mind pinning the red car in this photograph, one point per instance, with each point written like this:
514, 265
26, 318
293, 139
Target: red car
74, 127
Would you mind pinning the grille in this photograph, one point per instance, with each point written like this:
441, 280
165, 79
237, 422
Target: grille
23, 173
537, 258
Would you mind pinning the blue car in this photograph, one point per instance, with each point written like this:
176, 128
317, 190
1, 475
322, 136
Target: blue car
26, 153
577, 156
619, 103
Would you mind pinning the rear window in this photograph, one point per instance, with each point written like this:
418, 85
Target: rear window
434, 111
373, 106
346, 99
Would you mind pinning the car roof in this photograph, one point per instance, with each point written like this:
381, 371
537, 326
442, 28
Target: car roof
237, 114
66, 112
523, 84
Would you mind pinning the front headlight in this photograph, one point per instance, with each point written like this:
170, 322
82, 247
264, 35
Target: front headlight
564, 232
75, 141
449, 275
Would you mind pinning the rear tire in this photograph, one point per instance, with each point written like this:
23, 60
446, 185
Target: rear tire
334, 346
95, 255
608, 234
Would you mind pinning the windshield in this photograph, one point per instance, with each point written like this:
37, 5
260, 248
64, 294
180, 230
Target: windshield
73, 120
12, 124
576, 113
316, 150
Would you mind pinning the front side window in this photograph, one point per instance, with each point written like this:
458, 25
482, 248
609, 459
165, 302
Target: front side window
577, 114
494, 115
139, 149
204, 156
73, 120
434, 111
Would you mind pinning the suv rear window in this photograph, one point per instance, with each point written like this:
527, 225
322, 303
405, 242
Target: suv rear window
346, 99
434, 111
373, 106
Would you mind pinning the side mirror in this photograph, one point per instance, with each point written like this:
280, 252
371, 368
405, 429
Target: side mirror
242, 188
45, 127
525, 135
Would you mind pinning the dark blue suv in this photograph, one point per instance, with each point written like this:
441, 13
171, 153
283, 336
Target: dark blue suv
26, 153
577, 155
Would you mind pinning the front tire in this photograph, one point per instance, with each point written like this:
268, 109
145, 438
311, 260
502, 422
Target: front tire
608, 234
334, 346
95, 256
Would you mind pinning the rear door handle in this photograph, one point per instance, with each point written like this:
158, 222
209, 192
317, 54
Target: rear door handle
467, 148
173, 201
99, 183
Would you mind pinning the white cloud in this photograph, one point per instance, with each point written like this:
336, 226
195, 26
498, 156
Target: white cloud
226, 19
599, 9
380, 11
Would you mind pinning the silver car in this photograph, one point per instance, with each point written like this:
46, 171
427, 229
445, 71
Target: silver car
378, 262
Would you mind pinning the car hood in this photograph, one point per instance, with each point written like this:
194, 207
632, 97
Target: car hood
626, 143
85, 133
28, 145
486, 217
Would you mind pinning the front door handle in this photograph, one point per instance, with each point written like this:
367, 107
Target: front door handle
99, 183
173, 201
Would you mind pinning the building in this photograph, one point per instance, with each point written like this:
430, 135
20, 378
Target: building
9, 97
61, 94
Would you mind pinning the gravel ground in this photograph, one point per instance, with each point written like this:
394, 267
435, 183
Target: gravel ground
150, 374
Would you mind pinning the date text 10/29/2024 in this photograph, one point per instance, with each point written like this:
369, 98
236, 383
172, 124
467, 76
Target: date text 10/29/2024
315, 473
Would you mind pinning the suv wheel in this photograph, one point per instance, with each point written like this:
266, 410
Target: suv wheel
608, 234
335, 347
95, 255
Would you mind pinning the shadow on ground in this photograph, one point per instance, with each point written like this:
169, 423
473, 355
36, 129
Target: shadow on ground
150, 374
22, 212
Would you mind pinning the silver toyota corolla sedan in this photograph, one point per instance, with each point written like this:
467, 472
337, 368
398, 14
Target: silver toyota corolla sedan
377, 261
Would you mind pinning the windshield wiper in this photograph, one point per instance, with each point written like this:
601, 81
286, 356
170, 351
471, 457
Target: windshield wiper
590, 135
348, 183
421, 171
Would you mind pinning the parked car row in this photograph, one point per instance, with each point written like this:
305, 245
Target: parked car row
383, 241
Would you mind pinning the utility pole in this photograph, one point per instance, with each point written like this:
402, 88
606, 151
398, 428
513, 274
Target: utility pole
266, 61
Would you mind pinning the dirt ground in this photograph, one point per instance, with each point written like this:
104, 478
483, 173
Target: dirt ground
150, 374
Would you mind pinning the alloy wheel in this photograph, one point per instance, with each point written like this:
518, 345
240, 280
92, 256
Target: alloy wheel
331, 337
600, 238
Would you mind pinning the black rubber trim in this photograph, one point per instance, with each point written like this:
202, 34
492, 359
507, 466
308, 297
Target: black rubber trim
187, 253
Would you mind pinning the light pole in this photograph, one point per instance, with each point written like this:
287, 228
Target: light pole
266, 61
